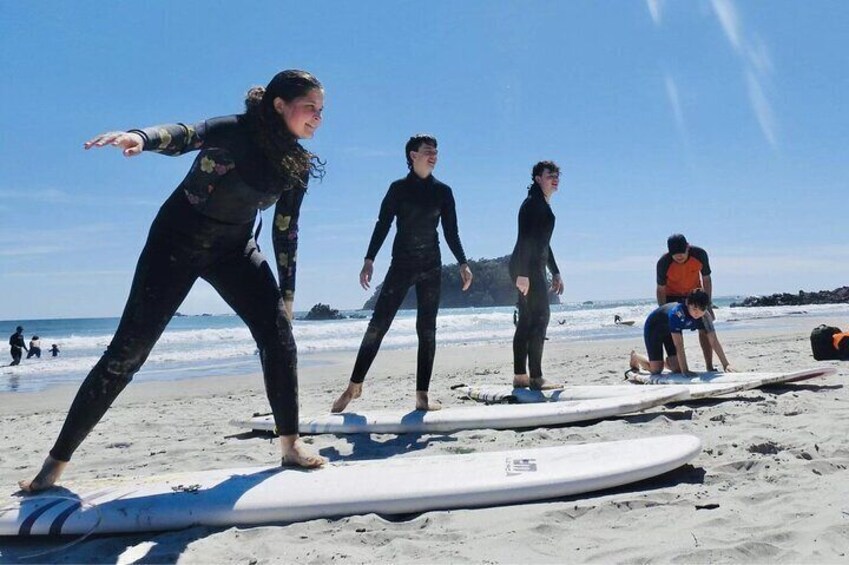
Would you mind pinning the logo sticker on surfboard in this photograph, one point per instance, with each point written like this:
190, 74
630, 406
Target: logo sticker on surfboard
519, 466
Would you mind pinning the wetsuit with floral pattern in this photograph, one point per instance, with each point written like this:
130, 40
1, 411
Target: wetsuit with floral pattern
204, 230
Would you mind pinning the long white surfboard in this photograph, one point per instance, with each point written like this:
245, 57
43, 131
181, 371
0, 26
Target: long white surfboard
499, 417
253, 496
706, 385
569, 393
756, 380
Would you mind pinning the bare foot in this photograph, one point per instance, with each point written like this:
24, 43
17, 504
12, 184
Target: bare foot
521, 381
542, 384
422, 402
296, 454
634, 362
50, 472
354, 390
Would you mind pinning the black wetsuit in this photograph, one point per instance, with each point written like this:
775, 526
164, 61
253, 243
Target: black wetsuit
204, 230
16, 346
419, 204
531, 255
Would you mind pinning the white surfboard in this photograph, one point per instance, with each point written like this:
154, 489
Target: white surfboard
449, 420
501, 394
756, 380
394, 486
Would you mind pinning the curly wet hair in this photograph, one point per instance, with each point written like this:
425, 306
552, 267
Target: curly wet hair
289, 158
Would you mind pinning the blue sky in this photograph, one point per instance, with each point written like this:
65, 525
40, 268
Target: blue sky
727, 121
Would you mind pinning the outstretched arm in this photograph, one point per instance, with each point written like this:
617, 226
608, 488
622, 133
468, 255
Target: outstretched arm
167, 139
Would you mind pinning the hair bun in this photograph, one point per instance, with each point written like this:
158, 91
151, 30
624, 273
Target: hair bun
254, 97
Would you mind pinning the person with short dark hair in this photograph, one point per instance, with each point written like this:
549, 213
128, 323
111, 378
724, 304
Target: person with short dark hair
54, 350
684, 268
246, 163
17, 346
419, 202
531, 255
663, 330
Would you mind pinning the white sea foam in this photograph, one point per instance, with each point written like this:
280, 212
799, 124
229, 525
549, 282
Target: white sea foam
223, 345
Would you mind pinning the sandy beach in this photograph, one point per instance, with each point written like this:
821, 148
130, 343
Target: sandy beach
771, 484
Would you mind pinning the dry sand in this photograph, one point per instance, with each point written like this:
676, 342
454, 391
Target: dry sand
771, 484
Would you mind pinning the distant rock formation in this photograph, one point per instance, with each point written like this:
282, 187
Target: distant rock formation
836, 296
323, 312
491, 286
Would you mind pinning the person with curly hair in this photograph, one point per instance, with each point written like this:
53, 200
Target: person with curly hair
531, 255
246, 162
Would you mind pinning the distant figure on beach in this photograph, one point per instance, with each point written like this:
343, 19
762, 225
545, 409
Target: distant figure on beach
419, 202
54, 350
617, 319
663, 330
17, 346
515, 317
531, 254
34, 347
247, 162
682, 269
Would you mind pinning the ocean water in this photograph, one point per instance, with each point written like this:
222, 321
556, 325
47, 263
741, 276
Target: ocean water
199, 346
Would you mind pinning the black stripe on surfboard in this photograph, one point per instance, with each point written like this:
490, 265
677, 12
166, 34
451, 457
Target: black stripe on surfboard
59, 521
27, 524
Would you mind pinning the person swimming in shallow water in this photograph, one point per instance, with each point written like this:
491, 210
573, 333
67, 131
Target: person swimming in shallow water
247, 162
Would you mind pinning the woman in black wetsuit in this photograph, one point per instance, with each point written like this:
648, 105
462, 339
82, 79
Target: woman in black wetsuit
527, 268
246, 162
419, 202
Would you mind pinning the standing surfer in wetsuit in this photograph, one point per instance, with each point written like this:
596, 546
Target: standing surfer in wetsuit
247, 162
419, 202
527, 269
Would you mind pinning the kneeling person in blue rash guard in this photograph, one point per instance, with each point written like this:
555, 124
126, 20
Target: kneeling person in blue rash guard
663, 330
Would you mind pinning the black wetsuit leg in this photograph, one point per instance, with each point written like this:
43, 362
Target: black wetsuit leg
399, 278
529, 339
17, 353
182, 246
395, 286
657, 336
247, 284
428, 289
159, 286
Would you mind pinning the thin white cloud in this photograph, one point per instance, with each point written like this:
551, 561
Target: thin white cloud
655, 7
758, 57
675, 102
762, 107
727, 14
757, 65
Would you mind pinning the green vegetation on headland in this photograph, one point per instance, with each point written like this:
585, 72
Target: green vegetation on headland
492, 286
836, 296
